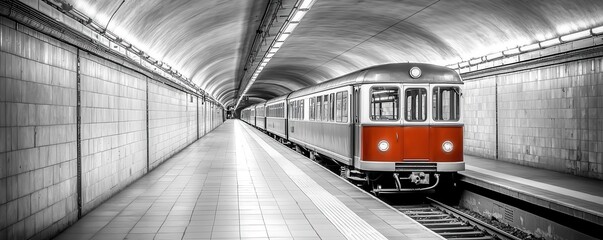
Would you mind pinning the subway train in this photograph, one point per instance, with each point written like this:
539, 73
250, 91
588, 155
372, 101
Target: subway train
392, 128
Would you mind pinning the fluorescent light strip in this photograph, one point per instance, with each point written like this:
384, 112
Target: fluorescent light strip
306, 4
291, 26
550, 42
283, 37
576, 36
475, 61
511, 52
298, 15
531, 47
295, 17
494, 56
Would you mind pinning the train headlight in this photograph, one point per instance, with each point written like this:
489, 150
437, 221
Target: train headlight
415, 72
383, 145
447, 146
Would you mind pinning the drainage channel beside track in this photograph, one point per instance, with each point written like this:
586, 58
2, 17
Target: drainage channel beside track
451, 223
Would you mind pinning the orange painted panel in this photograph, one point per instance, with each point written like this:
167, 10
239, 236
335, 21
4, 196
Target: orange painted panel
453, 134
416, 142
372, 135
412, 143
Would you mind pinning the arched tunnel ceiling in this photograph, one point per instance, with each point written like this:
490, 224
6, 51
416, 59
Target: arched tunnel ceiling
208, 41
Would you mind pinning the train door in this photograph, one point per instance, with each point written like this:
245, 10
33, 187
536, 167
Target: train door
356, 133
415, 121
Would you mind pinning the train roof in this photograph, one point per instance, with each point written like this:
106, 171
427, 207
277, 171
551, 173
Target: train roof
277, 99
387, 73
255, 105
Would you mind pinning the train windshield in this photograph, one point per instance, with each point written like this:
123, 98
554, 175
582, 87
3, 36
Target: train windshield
416, 104
385, 103
446, 104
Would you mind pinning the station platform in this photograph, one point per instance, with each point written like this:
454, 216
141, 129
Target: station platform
573, 195
238, 183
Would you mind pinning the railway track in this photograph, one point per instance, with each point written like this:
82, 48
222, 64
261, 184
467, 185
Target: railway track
451, 223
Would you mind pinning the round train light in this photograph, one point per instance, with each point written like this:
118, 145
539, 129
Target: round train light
415, 72
383, 145
447, 146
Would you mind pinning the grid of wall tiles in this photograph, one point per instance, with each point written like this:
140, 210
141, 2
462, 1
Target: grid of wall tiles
38, 194
191, 116
114, 149
201, 117
480, 117
169, 110
552, 117
549, 117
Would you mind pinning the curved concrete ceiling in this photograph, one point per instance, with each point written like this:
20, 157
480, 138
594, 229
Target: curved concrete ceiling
208, 41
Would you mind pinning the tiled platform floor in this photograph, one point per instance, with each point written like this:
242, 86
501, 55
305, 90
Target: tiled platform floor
237, 183
574, 195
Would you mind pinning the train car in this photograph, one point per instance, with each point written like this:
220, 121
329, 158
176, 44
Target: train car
396, 127
260, 116
246, 114
319, 121
276, 121
252, 115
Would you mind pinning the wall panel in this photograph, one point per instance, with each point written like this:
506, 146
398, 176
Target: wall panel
38, 195
113, 128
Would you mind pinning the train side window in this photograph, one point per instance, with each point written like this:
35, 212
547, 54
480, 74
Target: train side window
318, 107
446, 104
325, 107
312, 108
344, 107
301, 109
385, 103
416, 104
338, 107
332, 107
296, 109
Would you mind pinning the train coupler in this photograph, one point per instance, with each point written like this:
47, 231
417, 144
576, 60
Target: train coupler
415, 177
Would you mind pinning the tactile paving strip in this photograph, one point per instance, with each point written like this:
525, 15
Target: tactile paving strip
346, 221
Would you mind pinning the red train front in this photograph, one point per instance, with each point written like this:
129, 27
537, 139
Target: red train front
410, 129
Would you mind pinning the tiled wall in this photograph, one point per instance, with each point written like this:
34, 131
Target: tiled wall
549, 117
38, 130
191, 112
114, 148
37, 133
201, 116
169, 111
480, 117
